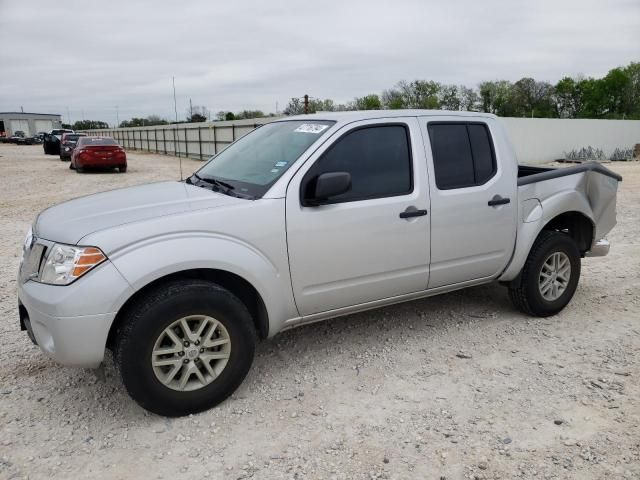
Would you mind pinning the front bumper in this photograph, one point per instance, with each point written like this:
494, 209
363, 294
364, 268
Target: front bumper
71, 323
73, 341
599, 248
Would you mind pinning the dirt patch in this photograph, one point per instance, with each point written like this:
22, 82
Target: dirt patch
455, 386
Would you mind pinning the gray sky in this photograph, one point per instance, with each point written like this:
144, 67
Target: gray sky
88, 56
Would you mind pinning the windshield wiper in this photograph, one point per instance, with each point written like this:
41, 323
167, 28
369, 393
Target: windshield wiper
219, 183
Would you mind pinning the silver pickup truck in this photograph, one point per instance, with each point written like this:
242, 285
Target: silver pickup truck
304, 219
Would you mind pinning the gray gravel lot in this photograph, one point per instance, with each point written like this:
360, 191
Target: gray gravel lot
451, 387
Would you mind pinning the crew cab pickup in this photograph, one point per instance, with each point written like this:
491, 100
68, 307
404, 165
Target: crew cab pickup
304, 219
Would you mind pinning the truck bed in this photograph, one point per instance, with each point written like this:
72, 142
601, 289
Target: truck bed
528, 174
588, 187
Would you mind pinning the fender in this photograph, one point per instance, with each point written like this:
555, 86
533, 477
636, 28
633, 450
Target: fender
534, 222
150, 259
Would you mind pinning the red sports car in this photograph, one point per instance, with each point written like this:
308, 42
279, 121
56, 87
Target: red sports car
98, 152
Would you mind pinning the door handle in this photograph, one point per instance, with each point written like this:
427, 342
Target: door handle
412, 212
498, 200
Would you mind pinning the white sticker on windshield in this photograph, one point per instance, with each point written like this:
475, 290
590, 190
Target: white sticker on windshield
311, 128
280, 164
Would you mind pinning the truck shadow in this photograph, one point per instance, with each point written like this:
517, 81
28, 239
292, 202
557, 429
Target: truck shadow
102, 389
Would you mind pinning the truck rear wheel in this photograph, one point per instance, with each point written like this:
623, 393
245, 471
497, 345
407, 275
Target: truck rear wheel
549, 277
185, 347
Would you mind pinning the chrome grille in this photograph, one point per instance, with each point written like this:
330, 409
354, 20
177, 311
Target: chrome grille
31, 262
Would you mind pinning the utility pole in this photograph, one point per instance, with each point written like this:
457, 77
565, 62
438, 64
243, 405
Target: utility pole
21, 108
117, 118
190, 111
175, 105
306, 104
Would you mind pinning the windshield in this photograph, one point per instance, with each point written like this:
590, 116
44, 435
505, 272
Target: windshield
252, 164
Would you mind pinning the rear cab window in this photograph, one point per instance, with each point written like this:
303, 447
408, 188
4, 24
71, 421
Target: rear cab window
463, 154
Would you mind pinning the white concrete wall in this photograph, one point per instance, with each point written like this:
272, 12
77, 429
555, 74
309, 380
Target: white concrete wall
541, 140
536, 140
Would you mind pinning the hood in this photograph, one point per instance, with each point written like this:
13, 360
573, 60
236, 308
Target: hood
68, 222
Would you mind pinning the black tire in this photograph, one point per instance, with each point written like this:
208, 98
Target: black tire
524, 291
122, 169
149, 317
78, 170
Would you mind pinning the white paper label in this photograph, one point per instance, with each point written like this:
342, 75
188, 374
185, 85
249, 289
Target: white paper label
311, 128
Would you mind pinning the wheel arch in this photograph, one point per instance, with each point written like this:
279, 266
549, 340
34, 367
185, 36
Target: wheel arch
237, 285
577, 223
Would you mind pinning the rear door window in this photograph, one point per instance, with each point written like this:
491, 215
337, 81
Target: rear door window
463, 154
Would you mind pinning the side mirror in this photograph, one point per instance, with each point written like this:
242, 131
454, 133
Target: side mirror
330, 185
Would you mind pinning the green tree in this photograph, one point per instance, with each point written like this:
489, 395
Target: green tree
249, 114
449, 97
568, 98
532, 98
495, 97
469, 99
294, 107
420, 94
90, 125
368, 102
632, 92
317, 105
393, 99
143, 122
197, 114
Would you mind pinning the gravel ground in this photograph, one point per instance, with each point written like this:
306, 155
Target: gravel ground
451, 387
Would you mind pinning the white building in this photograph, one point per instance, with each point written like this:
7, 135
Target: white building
29, 123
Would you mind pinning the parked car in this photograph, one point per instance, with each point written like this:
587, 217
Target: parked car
303, 219
51, 141
30, 140
98, 152
17, 136
68, 144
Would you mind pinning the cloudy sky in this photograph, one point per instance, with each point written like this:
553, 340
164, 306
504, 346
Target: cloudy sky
85, 57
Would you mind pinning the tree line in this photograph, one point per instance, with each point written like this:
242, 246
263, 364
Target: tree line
614, 96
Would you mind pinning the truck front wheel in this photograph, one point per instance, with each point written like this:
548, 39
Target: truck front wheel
184, 347
549, 277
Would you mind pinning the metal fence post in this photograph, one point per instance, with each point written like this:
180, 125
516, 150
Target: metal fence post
214, 141
186, 144
175, 145
200, 142
164, 141
155, 138
233, 132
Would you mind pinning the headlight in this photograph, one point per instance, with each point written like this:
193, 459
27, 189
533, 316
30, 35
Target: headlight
66, 263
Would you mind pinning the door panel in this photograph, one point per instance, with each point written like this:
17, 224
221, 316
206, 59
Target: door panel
348, 253
471, 240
